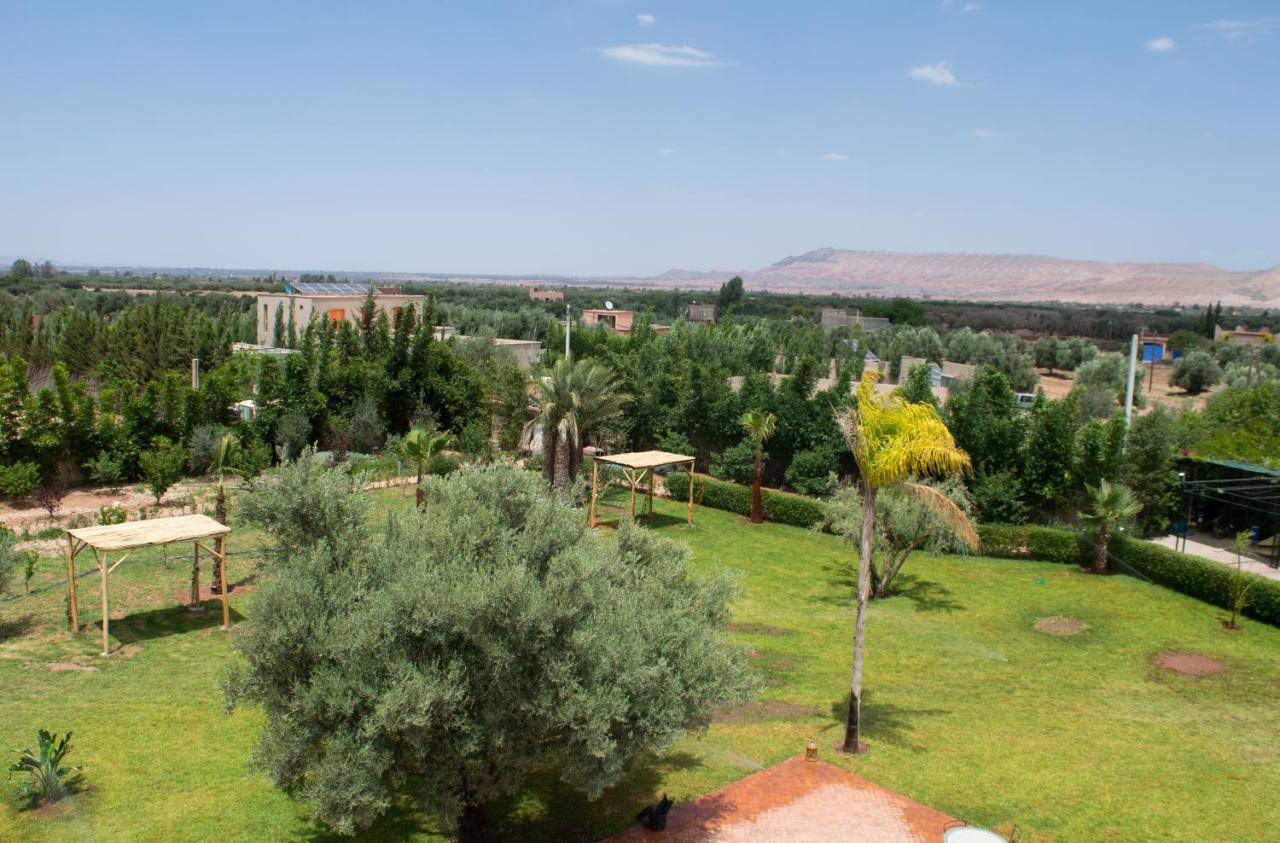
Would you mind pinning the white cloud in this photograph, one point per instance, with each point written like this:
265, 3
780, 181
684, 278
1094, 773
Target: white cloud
935, 74
661, 55
970, 7
1236, 29
645, 20
1163, 44
983, 133
836, 156
666, 150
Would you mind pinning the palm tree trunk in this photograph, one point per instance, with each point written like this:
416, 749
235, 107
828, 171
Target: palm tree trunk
420, 494
219, 515
757, 505
1100, 560
575, 459
562, 461
550, 436
851, 743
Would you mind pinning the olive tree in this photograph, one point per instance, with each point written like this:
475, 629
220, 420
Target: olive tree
1196, 372
443, 659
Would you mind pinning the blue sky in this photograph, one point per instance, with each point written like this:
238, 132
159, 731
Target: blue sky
626, 138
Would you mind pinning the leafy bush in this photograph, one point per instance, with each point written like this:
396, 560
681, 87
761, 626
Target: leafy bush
49, 779
736, 463
106, 469
18, 479
162, 466
112, 513
293, 433
439, 465
203, 443
501, 594
8, 558
1196, 372
999, 498
781, 507
811, 472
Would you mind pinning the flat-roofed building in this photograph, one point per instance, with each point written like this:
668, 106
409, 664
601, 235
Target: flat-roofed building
545, 295
701, 312
1243, 335
843, 317
336, 301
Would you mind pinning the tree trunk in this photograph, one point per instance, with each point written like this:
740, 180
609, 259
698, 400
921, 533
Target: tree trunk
472, 825
851, 743
757, 505
219, 515
1100, 561
562, 462
550, 436
420, 494
575, 460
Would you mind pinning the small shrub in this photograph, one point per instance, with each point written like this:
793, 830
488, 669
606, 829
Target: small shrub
112, 513
49, 778
17, 480
50, 493
203, 443
736, 463
106, 469
162, 466
812, 472
28, 559
441, 464
9, 558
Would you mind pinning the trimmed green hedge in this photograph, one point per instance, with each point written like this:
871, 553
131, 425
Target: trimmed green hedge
1198, 578
780, 507
1046, 544
1181, 572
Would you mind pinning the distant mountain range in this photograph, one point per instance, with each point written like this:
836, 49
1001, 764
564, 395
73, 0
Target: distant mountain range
981, 277
999, 278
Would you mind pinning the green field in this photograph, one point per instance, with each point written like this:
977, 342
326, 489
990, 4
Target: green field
968, 708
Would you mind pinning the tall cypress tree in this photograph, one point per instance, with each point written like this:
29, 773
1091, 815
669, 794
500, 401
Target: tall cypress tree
277, 333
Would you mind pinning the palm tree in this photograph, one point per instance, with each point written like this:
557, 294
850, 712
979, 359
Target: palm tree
759, 426
577, 398
420, 445
225, 454
1110, 506
891, 440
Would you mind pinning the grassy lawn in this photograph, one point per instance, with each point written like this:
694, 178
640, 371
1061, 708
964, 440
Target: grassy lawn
968, 708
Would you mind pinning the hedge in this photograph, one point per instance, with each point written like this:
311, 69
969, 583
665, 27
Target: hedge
779, 507
1190, 575
1047, 544
1198, 578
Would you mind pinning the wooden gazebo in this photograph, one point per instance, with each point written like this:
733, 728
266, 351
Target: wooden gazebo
134, 534
638, 466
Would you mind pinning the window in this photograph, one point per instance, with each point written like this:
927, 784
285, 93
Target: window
336, 314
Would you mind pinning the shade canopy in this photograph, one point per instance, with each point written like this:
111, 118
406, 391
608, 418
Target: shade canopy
644, 459
156, 531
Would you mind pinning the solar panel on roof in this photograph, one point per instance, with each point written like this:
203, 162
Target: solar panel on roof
340, 288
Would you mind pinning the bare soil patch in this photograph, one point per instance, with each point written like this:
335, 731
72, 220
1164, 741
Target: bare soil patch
65, 667
1189, 664
762, 711
1061, 627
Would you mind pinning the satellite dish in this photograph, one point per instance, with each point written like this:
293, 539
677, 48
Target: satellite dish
608, 305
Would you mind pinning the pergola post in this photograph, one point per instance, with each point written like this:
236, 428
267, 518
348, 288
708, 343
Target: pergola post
650, 473
106, 612
691, 464
595, 474
71, 584
195, 576
634, 477
220, 548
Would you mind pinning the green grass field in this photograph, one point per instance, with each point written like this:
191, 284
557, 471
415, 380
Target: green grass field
968, 708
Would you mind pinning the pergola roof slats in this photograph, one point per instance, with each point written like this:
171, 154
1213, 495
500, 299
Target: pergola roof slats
157, 531
644, 459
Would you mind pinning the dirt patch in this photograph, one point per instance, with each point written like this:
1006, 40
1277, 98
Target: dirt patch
65, 667
759, 629
764, 711
1189, 664
1061, 627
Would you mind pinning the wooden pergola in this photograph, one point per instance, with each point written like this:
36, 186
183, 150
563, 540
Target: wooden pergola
135, 534
638, 466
